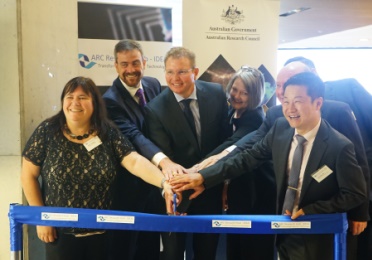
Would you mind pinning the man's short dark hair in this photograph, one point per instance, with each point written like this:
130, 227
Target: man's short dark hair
314, 85
127, 45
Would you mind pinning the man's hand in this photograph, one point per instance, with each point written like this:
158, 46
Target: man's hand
186, 181
299, 213
46, 234
357, 227
197, 191
170, 168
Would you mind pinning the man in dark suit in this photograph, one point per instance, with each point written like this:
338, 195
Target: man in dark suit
340, 188
359, 99
187, 142
340, 116
125, 106
356, 96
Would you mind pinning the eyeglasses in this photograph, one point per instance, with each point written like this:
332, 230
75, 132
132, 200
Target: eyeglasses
254, 71
180, 73
247, 68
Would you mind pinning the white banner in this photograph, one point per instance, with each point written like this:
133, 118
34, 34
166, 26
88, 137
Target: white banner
226, 35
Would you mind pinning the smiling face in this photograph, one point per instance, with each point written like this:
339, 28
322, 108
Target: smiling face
180, 76
239, 96
78, 106
130, 66
300, 111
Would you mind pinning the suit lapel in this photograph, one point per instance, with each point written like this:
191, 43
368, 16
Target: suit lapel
282, 145
315, 157
204, 107
149, 92
129, 103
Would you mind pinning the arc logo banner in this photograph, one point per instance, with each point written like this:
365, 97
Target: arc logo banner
102, 25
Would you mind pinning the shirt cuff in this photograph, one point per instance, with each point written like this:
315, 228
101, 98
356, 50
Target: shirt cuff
157, 158
230, 149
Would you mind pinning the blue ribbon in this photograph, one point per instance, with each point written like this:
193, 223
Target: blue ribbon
98, 219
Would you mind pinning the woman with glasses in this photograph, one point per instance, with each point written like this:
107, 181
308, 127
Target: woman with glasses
245, 92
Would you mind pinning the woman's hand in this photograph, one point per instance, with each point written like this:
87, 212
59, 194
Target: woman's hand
211, 160
170, 168
46, 234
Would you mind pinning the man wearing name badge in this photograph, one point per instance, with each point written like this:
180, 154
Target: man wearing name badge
339, 116
350, 91
125, 101
315, 167
187, 121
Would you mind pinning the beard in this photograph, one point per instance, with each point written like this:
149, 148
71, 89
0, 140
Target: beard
132, 79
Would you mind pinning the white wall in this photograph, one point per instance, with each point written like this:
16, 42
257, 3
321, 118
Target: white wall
10, 146
49, 32
334, 64
38, 56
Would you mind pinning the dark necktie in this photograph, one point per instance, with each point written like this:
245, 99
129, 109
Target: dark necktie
188, 114
141, 97
294, 174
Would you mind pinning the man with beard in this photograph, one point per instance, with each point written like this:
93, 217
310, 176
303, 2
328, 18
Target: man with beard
125, 101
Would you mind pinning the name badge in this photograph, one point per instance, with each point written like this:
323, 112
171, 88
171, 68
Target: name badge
321, 173
92, 143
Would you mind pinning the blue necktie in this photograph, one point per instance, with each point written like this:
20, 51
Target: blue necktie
141, 97
294, 174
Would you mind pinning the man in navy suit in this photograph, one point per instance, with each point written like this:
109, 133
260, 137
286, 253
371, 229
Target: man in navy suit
340, 188
125, 108
188, 141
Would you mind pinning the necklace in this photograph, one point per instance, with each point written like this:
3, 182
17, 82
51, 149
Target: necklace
78, 137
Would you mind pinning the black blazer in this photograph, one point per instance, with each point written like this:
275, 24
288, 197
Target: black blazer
341, 191
169, 130
244, 194
128, 115
340, 117
249, 121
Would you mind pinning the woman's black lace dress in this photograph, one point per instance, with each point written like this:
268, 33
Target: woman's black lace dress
72, 176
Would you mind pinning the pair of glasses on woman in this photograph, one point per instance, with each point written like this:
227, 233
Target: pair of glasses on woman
254, 71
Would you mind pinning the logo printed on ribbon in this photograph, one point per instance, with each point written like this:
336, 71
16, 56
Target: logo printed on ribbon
59, 216
116, 219
291, 225
232, 223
